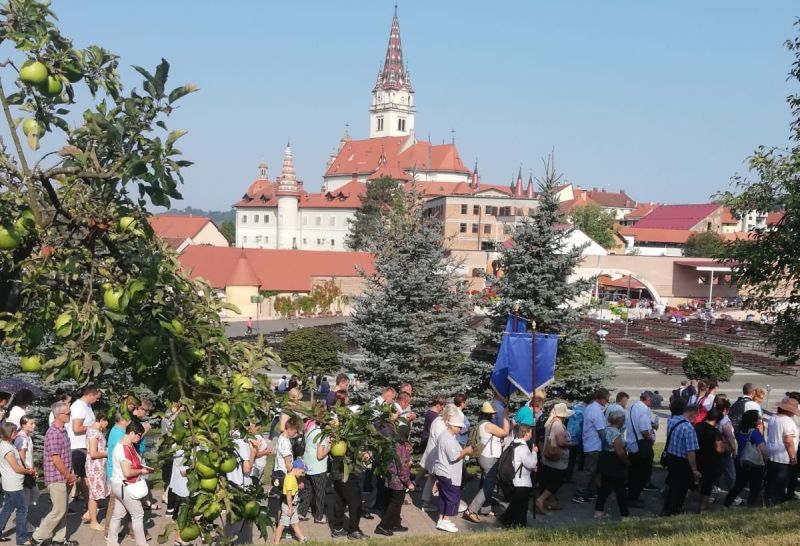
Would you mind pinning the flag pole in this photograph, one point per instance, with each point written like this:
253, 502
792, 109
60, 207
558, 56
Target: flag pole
533, 397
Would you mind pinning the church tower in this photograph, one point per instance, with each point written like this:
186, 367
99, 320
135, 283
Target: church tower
392, 110
288, 197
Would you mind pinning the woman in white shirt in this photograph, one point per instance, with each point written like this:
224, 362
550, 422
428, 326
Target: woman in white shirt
428, 459
12, 475
24, 444
782, 441
490, 437
516, 515
448, 469
127, 469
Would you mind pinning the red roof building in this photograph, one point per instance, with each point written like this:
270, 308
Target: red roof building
182, 230
704, 217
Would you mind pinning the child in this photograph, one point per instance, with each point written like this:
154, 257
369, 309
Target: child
288, 515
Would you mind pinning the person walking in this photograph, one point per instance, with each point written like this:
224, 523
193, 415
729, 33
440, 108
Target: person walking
287, 517
594, 422
347, 492
725, 427
640, 438
750, 469
127, 470
81, 418
58, 476
397, 482
316, 458
18, 407
620, 404
24, 444
433, 412
524, 462
96, 470
782, 440
490, 446
554, 457
249, 326
711, 448
448, 470
612, 465
117, 433
681, 450
428, 459
12, 476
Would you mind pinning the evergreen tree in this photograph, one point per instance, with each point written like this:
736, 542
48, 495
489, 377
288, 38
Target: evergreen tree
536, 280
380, 200
411, 320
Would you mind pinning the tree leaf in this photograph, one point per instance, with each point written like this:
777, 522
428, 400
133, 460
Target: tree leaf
162, 72
173, 136
179, 92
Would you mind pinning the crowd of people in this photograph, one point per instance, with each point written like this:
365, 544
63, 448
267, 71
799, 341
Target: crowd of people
604, 445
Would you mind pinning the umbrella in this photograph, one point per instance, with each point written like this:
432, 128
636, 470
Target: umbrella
12, 385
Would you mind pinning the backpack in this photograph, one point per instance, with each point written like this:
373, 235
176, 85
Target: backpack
474, 439
575, 425
701, 410
737, 411
506, 470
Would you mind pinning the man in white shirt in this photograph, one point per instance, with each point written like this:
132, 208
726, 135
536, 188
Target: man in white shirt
639, 438
386, 398
594, 422
80, 419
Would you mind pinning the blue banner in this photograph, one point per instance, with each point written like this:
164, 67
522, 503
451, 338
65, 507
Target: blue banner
514, 367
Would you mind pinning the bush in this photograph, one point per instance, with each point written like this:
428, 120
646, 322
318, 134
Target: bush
710, 362
315, 350
581, 369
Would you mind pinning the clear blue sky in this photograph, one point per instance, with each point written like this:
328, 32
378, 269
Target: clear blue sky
665, 100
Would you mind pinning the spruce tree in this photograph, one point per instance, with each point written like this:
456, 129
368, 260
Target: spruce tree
377, 203
411, 320
535, 281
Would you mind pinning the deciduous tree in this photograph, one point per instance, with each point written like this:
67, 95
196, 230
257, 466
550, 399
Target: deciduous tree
595, 222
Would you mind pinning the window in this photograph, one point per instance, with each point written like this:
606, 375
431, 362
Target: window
380, 124
305, 242
474, 228
463, 209
244, 239
319, 242
487, 229
488, 246
255, 218
401, 125
294, 242
476, 209
519, 211
318, 221
258, 238
332, 221
266, 218
491, 210
462, 228
305, 220
333, 242
244, 218
266, 239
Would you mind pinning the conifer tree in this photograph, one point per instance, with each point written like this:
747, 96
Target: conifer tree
537, 267
411, 320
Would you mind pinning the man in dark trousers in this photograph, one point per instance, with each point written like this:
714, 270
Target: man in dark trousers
681, 449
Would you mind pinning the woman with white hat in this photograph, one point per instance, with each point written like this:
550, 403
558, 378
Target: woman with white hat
448, 469
555, 456
489, 448
782, 440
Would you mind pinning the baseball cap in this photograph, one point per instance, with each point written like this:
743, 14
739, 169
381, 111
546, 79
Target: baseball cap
298, 463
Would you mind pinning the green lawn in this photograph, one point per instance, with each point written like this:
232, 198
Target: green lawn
740, 527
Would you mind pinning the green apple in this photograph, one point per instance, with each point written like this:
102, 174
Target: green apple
190, 532
208, 484
32, 126
177, 326
205, 471
53, 87
243, 382
213, 511
63, 324
25, 221
9, 238
31, 363
227, 465
251, 509
339, 449
33, 73
126, 222
115, 299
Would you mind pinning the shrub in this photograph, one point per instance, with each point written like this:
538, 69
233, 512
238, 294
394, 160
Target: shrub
710, 362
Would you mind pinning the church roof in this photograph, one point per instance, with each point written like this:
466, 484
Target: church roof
394, 75
361, 156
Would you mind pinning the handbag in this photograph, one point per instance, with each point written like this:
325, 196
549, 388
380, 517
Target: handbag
751, 456
136, 490
552, 452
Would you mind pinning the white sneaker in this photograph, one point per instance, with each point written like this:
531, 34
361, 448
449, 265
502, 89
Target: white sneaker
738, 501
448, 526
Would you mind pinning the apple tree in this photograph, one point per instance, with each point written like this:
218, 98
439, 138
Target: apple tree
87, 291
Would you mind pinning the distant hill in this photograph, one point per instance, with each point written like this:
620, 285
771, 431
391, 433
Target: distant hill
217, 216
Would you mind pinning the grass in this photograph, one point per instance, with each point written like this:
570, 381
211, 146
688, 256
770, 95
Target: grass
740, 526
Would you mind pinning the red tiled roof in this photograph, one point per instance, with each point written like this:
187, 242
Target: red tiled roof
727, 217
437, 189
737, 236
774, 217
177, 226
622, 282
677, 217
174, 242
280, 270
345, 197
641, 210
648, 235
619, 200
362, 156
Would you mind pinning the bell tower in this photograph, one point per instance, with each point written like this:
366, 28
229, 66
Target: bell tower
392, 110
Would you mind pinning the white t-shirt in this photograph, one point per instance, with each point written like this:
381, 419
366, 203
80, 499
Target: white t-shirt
12, 481
447, 451
780, 426
261, 462
640, 419
237, 476
283, 449
750, 405
117, 456
178, 483
15, 415
429, 457
79, 410
23, 441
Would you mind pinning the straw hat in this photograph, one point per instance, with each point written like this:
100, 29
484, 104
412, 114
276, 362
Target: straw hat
561, 410
790, 405
487, 407
456, 420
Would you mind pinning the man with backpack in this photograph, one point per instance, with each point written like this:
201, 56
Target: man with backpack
684, 392
594, 422
743, 403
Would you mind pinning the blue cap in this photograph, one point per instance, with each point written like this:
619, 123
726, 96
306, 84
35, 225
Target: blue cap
298, 463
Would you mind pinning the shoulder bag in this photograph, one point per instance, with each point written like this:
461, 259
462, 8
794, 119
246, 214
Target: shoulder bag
751, 456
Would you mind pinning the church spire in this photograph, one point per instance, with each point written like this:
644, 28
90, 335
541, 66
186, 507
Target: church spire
393, 75
529, 193
287, 183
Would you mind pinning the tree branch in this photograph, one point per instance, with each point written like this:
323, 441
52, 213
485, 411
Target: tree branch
12, 130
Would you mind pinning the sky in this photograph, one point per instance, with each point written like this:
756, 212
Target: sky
665, 100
